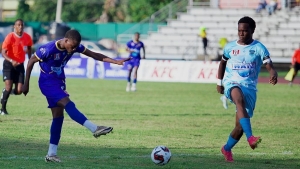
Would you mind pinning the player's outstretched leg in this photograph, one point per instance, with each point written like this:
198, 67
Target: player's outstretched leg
244, 119
233, 139
77, 116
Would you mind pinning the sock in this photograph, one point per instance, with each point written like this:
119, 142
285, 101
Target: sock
74, 113
246, 125
230, 143
4, 98
128, 79
89, 125
134, 80
52, 151
55, 131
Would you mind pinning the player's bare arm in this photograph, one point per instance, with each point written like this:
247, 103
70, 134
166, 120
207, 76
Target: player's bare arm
31, 62
29, 51
273, 73
14, 63
221, 72
103, 58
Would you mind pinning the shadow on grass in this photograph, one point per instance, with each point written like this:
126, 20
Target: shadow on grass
30, 154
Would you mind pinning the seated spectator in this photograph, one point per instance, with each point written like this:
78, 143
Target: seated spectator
272, 6
261, 5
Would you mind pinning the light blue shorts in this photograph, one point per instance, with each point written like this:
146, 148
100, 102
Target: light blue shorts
249, 96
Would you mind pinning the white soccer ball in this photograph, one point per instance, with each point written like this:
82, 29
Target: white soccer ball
161, 155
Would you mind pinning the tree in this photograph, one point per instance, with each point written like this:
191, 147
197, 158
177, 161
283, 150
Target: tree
23, 10
90, 10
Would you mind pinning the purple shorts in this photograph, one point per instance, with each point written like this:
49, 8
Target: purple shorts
54, 91
134, 62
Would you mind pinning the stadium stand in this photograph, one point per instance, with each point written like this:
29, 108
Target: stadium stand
179, 38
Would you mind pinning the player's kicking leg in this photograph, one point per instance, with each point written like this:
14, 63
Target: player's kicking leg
80, 118
244, 117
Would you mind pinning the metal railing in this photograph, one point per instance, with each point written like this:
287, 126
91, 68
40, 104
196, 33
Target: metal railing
161, 16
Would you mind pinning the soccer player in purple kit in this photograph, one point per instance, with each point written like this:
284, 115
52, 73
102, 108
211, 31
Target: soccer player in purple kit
52, 58
134, 47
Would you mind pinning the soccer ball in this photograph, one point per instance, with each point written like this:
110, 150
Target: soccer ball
161, 155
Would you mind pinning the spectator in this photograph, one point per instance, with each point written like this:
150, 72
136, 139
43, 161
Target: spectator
261, 5
202, 34
272, 7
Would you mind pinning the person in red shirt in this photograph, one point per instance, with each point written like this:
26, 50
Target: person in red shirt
295, 63
14, 49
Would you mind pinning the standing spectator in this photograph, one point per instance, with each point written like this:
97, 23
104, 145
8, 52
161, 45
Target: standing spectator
295, 64
14, 49
203, 35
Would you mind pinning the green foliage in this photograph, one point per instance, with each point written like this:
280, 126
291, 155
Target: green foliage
141, 9
23, 10
87, 11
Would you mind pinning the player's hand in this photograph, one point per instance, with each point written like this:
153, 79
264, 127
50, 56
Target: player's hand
273, 77
25, 89
121, 62
14, 63
220, 89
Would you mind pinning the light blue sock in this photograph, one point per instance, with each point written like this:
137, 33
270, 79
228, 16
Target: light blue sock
230, 143
74, 113
246, 125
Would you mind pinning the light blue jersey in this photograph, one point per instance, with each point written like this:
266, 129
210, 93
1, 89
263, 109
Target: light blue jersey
242, 69
244, 63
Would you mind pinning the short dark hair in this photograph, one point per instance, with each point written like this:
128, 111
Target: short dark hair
21, 20
137, 33
249, 21
73, 35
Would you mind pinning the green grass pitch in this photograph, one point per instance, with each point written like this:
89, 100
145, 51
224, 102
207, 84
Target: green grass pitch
187, 118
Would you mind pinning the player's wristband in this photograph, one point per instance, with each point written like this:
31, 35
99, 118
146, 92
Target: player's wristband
219, 82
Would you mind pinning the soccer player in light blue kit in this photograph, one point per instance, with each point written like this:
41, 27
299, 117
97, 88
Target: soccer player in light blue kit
52, 58
134, 47
238, 73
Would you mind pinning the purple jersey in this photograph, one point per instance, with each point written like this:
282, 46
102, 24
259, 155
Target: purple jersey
136, 48
52, 60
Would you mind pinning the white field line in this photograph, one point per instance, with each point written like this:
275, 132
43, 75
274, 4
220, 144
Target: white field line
287, 153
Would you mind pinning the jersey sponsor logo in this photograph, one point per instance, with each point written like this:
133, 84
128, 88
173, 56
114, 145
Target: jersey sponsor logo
244, 69
240, 66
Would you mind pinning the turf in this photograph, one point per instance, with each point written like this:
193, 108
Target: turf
187, 118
